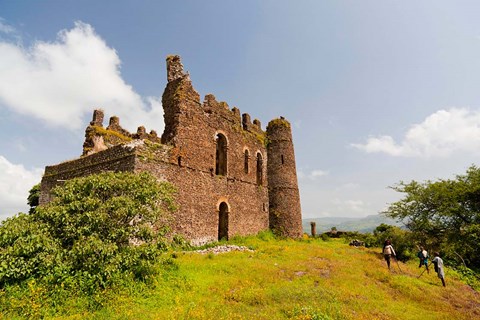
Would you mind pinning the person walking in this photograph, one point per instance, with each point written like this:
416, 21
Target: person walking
388, 251
423, 256
438, 264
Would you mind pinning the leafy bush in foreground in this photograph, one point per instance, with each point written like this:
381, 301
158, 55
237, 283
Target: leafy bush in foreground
97, 229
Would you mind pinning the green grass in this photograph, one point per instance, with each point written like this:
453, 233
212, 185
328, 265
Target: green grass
281, 279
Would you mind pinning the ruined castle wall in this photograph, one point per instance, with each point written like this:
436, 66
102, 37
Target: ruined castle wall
200, 194
118, 158
191, 129
215, 177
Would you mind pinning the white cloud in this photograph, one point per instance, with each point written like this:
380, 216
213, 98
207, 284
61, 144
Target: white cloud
439, 135
15, 182
355, 205
317, 174
312, 175
347, 207
5, 28
349, 186
59, 82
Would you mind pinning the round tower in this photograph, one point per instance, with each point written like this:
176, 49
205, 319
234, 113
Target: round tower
284, 210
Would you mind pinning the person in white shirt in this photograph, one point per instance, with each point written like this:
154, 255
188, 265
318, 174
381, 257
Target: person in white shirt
423, 256
438, 263
388, 252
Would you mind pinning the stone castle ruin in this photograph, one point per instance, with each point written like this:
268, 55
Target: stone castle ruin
232, 177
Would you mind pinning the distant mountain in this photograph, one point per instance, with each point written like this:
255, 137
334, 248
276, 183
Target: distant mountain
365, 224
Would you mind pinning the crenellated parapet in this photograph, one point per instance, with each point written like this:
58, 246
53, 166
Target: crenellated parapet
98, 138
212, 106
247, 123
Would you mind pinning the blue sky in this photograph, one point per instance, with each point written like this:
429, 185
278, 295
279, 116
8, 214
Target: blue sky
377, 91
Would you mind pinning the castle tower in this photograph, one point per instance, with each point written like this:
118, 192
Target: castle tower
285, 213
177, 99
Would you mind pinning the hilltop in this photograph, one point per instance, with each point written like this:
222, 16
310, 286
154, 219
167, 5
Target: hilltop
365, 224
279, 279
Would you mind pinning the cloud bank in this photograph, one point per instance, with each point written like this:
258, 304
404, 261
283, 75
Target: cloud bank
15, 182
440, 135
60, 82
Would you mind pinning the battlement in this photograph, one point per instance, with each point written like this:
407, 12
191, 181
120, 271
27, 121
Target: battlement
98, 138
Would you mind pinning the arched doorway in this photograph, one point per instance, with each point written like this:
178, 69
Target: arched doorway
223, 221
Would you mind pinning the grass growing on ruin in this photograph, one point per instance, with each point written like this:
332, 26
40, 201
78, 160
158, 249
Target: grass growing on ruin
280, 279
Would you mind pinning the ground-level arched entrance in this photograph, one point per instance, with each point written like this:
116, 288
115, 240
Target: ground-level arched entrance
223, 221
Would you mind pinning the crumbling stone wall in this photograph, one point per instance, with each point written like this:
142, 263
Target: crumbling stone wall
98, 138
117, 158
236, 199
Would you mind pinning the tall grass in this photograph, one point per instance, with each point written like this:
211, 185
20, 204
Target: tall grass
280, 279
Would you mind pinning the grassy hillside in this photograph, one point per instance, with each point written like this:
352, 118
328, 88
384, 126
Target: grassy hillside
309, 279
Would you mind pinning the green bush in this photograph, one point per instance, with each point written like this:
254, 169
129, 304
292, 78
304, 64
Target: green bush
96, 230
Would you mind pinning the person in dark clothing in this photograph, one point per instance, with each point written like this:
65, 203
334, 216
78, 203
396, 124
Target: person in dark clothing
423, 256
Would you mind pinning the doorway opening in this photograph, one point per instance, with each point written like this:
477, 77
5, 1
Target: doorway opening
223, 221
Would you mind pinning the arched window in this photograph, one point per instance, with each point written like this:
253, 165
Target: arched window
247, 156
259, 169
221, 156
223, 221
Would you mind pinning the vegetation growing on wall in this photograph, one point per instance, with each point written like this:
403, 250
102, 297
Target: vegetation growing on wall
110, 137
279, 122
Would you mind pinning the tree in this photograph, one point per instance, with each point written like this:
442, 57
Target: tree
96, 228
33, 198
444, 215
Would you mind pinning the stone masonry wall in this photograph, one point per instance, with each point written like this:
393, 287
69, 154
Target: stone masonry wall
285, 212
191, 129
118, 158
199, 196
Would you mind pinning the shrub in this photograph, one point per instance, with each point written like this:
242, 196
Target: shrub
97, 229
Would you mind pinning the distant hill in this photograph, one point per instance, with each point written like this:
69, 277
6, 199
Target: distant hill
365, 224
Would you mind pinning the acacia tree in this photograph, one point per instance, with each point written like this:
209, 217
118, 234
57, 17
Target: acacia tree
444, 215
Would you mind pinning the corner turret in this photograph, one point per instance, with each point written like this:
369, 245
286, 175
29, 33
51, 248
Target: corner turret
284, 197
